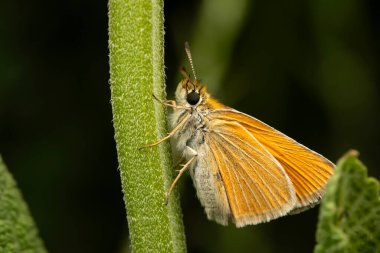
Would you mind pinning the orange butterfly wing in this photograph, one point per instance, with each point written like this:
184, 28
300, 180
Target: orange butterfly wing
307, 170
256, 185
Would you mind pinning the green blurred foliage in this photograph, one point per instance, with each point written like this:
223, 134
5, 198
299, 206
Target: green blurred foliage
349, 220
309, 69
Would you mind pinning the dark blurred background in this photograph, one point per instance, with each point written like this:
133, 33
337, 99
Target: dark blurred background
309, 69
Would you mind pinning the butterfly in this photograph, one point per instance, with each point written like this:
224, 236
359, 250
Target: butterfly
242, 169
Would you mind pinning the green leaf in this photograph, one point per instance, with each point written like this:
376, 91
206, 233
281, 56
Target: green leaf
136, 44
349, 219
18, 232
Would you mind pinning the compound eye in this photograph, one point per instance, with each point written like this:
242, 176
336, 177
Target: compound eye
193, 98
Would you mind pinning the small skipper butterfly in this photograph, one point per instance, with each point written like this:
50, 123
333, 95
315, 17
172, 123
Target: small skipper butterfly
241, 168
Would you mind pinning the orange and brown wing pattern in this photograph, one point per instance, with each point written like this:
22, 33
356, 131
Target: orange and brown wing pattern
257, 186
307, 170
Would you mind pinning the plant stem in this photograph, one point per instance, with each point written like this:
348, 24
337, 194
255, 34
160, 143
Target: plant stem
136, 43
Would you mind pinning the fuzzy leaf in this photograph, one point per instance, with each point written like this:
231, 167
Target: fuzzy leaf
349, 219
18, 233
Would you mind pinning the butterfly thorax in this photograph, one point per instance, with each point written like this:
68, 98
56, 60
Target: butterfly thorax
193, 101
192, 132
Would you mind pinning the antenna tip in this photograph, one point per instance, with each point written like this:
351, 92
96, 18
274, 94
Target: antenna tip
188, 52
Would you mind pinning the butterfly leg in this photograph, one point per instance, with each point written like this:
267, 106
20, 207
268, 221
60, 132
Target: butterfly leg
182, 170
178, 163
171, 103
180, 124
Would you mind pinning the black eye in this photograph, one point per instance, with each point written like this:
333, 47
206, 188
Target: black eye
193, 98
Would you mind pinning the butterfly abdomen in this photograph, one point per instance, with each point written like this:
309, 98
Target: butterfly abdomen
209, 187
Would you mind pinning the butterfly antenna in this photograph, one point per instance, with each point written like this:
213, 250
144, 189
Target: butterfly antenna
188, 52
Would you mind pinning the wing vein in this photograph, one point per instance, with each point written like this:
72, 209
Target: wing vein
258, 174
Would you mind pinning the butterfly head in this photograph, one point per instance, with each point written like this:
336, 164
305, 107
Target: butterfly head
190, 92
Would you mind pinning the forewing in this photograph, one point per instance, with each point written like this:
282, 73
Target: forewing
307, 170
257, 186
